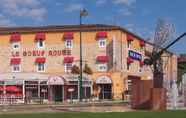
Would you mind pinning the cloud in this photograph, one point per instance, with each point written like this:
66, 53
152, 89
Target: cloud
4, 22
125, 12
73, 7
125, 2
101, 2
24, 8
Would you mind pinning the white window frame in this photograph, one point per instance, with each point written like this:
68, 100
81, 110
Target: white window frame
102, 67
14, 44
66, 67
102, 42
69, 43
16, 65
38, 44
38, 68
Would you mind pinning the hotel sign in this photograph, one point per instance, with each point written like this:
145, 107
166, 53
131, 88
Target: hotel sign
28, 53
134, 55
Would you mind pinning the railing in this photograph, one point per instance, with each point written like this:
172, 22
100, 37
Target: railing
10, 100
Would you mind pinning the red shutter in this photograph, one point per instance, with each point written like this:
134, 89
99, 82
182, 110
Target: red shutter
68, 36
141, 63
15, 37
130, 37
101, 35
68, 59
102, 59
40, 60
129, 60
142, 43
15, 61
40, 36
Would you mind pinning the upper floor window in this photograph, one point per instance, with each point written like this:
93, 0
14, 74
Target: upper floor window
130, 38
40, 40
102, 67
102, 43
40, 67
40, 43
67, 67
16, 68
68, 43
40, 64
15, 45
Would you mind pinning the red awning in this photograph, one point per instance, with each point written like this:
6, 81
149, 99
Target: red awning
129, 60
142, 43
101, 34
102, 59
15, 61
40, 36
15, 37
13, 89
141, 63
68, 35
40, 60
68, 59
130, 37
1, 88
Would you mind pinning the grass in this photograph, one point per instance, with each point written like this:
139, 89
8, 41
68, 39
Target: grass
142, 114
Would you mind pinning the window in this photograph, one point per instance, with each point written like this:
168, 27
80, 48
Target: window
16, 68
102, 67
15, 45
129, 43
68, 67
68, 43
41, 67
102, 43
40, 44
140, 68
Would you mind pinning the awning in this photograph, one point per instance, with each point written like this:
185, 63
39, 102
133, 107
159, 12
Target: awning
102, 59
142, 43
40, 60
101, 35
68, 59
1, 88
56, 80
40, 36
13, 89
129, 60
68, 36
15, 37
15, 61
130, 37
103, 80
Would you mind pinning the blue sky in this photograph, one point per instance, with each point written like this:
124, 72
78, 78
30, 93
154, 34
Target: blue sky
139, 16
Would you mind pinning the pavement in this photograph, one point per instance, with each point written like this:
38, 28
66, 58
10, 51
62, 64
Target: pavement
77, 107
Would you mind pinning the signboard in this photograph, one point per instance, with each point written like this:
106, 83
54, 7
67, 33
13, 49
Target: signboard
55, 80
135, 55
103, 80
36, 53
70, 89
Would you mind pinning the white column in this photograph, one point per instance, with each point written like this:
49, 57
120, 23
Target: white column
23, 90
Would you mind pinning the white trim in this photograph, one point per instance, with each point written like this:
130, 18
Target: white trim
103, 80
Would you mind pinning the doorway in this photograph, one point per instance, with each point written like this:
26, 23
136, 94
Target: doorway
57, 91
105, 91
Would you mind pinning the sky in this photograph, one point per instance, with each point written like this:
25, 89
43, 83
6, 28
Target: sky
138, 16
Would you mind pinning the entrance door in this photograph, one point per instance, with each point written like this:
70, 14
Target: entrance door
105, 91
58, 93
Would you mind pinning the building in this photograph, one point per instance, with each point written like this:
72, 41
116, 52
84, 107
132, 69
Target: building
36, 62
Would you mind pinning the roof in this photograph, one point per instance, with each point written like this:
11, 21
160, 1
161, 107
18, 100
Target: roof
65, 28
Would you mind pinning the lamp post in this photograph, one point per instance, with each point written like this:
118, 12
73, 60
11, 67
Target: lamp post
84, 13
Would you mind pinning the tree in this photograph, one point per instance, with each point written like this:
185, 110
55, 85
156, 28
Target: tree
75, 70
87, 70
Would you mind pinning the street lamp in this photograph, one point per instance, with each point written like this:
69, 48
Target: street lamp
83, 13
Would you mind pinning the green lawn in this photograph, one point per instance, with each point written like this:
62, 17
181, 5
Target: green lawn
168, 114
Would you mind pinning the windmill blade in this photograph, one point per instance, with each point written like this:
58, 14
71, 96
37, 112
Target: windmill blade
164, 34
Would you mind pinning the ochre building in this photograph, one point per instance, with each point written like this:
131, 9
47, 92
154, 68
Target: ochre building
36, 62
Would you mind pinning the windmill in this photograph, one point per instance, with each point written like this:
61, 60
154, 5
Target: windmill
163, 36
164, 33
